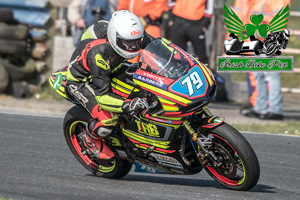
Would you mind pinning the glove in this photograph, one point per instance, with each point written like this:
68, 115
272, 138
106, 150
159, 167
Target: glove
205, 22
145, 20
137, 105
148, 21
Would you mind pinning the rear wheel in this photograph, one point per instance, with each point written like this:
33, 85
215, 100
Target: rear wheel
74, 125
238, 165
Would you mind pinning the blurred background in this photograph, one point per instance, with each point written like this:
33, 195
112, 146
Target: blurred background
36, 40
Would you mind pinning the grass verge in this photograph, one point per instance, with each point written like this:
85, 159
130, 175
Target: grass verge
285, 128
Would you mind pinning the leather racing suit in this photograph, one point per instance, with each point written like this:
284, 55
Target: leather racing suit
88, 76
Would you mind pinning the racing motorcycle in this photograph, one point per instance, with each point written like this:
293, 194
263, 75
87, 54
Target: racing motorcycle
176, 134
274, 42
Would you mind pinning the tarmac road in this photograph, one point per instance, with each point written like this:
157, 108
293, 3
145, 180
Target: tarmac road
35, 163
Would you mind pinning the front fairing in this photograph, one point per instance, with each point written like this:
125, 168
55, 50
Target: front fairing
181, 83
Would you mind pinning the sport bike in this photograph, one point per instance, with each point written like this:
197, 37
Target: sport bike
176, 134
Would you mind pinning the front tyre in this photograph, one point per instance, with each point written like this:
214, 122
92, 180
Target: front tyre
271, 49
239, 167
74, 123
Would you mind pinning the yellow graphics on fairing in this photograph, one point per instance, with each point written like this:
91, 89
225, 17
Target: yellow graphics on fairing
127, 89
170, 108
122, 87
121, 83
143, 140
117, 87
208, 73
166, 101
164, 92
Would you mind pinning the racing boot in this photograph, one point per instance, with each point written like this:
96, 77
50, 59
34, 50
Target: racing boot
97, 147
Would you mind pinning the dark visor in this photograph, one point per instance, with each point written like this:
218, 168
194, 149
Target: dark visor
129, 45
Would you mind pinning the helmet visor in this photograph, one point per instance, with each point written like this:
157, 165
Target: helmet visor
129, 45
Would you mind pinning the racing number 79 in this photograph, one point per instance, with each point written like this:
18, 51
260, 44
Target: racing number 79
192, 80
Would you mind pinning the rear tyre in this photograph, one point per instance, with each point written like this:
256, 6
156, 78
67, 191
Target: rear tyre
240, 168
74, 123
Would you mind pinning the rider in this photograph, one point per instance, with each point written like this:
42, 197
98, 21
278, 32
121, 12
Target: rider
88, 76
278, 38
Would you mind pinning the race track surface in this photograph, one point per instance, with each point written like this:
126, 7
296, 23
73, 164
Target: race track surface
37, 164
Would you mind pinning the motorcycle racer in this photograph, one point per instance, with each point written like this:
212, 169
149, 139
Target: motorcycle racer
89, 70
277, 40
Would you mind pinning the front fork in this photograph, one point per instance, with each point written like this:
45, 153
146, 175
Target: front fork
204, 143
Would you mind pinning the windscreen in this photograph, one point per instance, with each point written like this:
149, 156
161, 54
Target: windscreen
164, 60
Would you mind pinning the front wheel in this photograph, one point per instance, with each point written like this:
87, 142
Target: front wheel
74, 123
238, 165
271, 49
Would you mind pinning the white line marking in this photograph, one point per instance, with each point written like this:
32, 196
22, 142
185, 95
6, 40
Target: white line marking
270, 134
31, 114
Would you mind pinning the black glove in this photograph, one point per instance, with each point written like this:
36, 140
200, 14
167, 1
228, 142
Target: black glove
205, 22
137, 105
148, 21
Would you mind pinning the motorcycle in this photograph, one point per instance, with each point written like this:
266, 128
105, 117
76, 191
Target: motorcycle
176, 134
273, 43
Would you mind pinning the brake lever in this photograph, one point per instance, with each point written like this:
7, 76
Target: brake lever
153, 104
139, 119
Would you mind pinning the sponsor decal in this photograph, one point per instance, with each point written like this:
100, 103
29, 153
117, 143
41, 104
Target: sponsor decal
218, 120
139, 167
248, 64
101, 63
136, 33
147, 129
151, 79
260, 44
111, 121
58, 82
193, 85
167, 161
78, 95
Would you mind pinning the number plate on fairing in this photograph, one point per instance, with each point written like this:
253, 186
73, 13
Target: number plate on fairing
193, 85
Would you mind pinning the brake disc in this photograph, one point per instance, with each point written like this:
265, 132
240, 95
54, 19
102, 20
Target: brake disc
228, 167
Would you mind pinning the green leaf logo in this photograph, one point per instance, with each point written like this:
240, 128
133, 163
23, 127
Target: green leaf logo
256, 19
251, 28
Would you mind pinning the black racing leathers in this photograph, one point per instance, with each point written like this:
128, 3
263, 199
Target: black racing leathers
88, 77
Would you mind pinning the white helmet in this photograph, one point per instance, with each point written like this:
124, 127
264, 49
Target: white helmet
287, 33
124, 32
